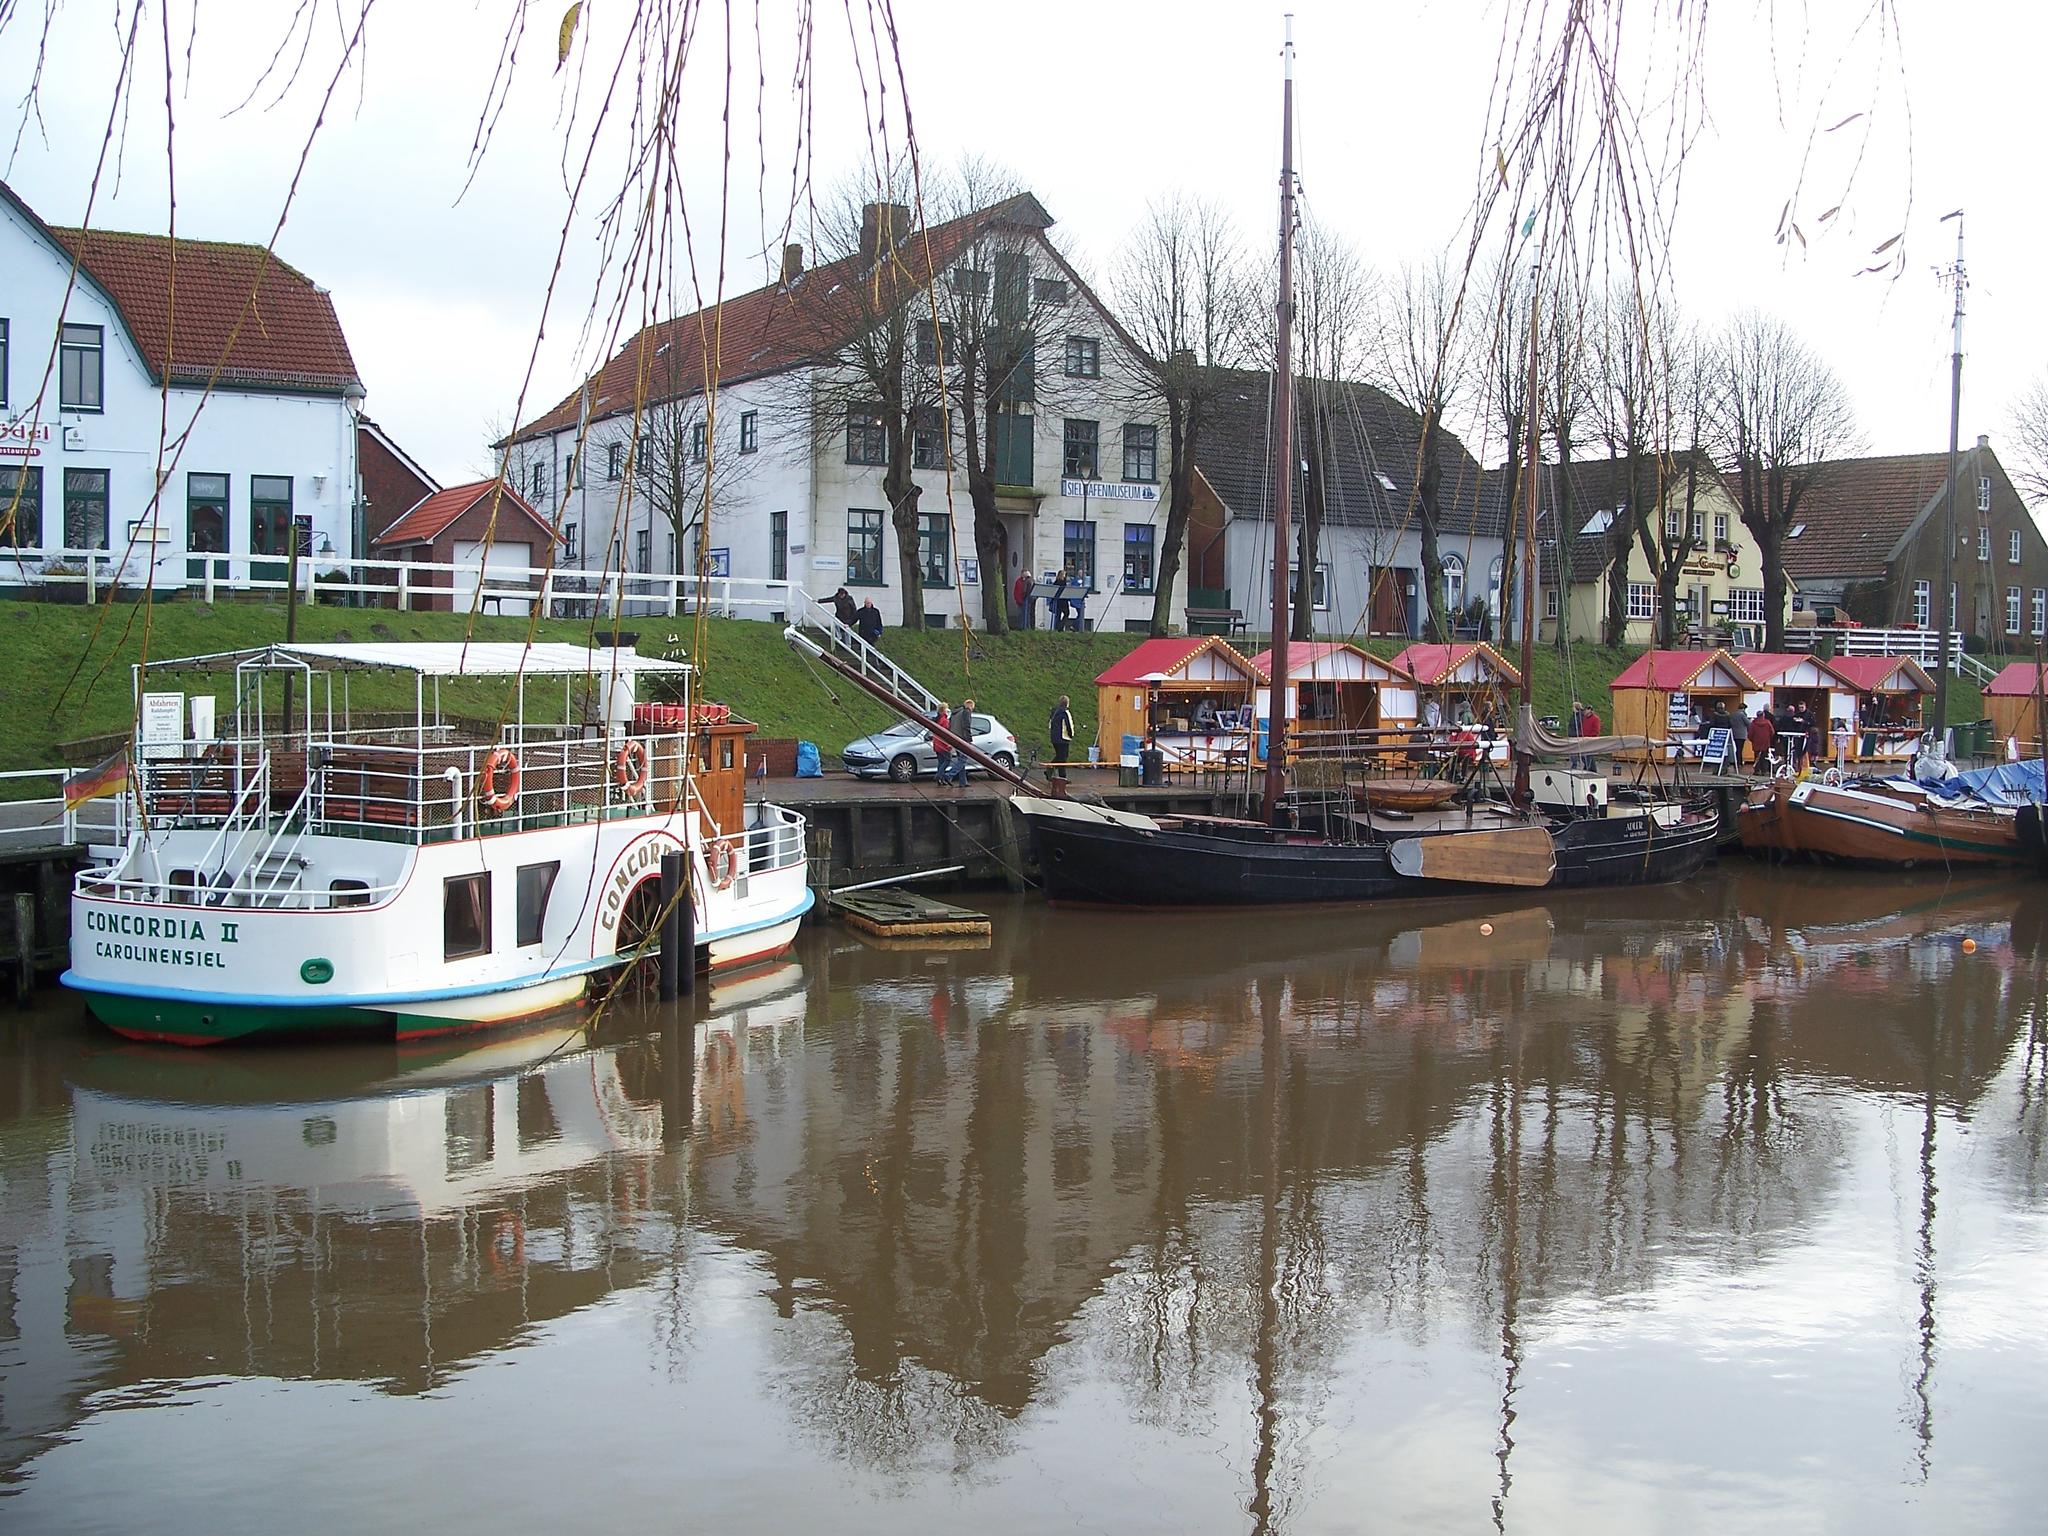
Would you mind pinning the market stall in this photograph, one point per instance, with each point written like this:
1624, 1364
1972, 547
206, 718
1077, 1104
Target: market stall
1785, 680
1891, 694
1469, 683
1335, 686
1665, 695
1192, 696
2012, 704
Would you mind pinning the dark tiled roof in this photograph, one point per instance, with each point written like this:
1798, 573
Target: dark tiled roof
1373, 436
1857, 509
287, 336
774, 328
424, 523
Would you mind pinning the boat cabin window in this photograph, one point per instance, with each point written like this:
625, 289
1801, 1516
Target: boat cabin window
466, 916
536, 882
184, 884
725, 752
348, 893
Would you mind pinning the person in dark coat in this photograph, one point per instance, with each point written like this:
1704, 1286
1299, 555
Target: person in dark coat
1060, 727
842, 607
1792, 732
1762, 732
962, 725
868, 622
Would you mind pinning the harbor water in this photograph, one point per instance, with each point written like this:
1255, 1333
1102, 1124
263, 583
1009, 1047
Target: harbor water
1704, 1208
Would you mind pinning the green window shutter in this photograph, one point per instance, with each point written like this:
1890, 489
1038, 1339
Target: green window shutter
1013, 450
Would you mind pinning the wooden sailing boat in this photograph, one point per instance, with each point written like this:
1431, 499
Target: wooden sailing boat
1097, 855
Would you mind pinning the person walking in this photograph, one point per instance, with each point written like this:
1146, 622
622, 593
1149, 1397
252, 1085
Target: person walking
1026, 603
942, 749
1792, 732
1589, 725
962, 725
1761, 734
1059, 599
1060, 727
1844, 734
1738, 726
867, 622
842, 607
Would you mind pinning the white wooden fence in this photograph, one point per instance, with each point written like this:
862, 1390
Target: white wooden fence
1922, 645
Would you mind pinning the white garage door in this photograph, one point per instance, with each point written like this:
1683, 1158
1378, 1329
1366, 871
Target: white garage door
501, 565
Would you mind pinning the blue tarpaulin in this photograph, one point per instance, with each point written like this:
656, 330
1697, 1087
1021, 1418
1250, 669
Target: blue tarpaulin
807, 764
2002, 784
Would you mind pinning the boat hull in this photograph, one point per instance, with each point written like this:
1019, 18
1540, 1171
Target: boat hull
1086, 861
1844, 824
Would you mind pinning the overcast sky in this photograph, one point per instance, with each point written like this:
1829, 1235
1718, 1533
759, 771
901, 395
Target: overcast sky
1098, 107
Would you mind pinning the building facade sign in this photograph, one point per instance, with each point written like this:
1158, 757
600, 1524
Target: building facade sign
1109, 490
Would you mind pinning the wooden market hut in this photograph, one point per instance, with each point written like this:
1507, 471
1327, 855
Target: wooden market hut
1159, 691
1785, 679
1468, 675
1891, 697
1658, 693
1335, 686
2011, 701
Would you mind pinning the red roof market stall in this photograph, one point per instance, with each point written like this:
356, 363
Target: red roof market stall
1891, 694
1661, 693
1192, 695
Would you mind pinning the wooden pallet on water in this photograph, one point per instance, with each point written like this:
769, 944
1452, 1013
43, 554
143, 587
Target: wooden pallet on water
893, 914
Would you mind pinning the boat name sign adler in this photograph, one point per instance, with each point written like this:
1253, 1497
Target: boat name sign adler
167, 931
635, 863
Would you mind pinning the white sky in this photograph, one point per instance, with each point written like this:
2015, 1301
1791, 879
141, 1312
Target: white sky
1098, 107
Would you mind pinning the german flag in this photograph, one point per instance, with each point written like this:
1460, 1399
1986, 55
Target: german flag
109, 778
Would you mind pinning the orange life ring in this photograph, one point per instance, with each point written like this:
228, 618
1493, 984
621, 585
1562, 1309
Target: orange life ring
629, 768
720, 860
493, 797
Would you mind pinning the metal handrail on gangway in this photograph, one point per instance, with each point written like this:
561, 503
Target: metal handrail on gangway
864, 658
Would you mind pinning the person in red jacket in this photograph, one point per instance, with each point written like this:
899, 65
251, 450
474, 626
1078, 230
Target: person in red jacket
1761, 734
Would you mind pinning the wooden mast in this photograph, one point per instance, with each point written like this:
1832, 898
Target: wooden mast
1283, 444
1531, 575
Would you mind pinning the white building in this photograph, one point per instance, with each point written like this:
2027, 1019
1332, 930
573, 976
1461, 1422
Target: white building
86, 425
798, 471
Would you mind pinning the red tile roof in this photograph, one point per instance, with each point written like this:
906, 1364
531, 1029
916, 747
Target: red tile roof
2017, 681
772, 328
1430, 664
286, 337
1882, 674
1668, 671
425, 522
1168, 656
1765, 666
1857, 510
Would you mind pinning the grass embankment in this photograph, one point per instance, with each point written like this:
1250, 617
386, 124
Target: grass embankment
59, 683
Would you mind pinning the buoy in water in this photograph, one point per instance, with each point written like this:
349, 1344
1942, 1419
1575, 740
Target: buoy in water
1486, 930
1969, 946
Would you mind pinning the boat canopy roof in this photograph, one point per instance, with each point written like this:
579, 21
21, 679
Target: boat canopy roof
438, 658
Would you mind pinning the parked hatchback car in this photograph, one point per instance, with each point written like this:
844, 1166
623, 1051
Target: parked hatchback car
904, 751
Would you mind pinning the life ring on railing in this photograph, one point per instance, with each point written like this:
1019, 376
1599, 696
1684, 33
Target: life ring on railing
629, 768
718, 858
493, 796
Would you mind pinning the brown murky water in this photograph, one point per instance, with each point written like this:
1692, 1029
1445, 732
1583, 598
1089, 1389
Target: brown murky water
1715, 1208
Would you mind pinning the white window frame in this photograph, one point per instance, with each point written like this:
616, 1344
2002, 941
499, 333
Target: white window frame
2012, 546
1923, 604
2012, 610
2040, 606
1642, 600
1983, 541
1720, 529
1746, 605
1983, 493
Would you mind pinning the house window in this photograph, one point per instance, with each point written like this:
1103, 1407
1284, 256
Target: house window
81, 369
2012, 547
1550, 602
863, 548
1013, 450
2012, 610
569, 532
643, 549
1141, 453
1720, 530
1077, 552
1642, 600
465, 916
970, 281
927, 438
85, 509
21, 507
1674, 524
696, 442
1048, 290
1951, 605
1983, 542
750, 431
1084, 357
270, 514
535, 883
778, 546
540, 481
1078, 456
1746, 605
614, 460
1454, 585
1923, 604
1013, 377
570, 480
935, 549
206, 513
934, 346
1983, 493
1319, 583
1138, 557
3, 365
867, 438
2040, 610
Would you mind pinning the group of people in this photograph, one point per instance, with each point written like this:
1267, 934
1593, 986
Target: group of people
1792, 734
959, 719
1066, 611
1585, 722
864, 620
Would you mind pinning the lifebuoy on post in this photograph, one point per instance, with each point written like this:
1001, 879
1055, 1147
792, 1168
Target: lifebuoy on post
718, 857
629, 769
494, 794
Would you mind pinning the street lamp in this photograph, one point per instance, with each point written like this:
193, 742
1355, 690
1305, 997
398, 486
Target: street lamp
1088, 476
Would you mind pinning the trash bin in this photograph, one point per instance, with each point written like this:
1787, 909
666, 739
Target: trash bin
1152, 767
1128, 757
1973, 738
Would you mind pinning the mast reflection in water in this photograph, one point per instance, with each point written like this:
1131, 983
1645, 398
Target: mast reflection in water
1718, 1204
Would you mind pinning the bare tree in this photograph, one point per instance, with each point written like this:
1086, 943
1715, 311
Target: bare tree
680, 471
1781, 414
1419, 355
1501, 344
1334, 303
1565, 399
1676, 530
2028, 424
1627, 407
1179, 294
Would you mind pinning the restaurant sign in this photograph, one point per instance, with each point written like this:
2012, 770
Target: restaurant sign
21, 439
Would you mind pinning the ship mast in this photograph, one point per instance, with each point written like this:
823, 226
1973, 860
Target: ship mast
1948, 517
1283, 444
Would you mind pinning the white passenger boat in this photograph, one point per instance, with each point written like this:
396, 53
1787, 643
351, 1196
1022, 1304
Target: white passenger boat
327, 860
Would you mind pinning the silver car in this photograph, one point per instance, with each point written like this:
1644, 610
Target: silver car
904, 751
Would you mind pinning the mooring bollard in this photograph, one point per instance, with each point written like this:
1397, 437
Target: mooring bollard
673, 896
25, 948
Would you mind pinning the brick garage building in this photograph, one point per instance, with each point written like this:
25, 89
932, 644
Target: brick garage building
458, 526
